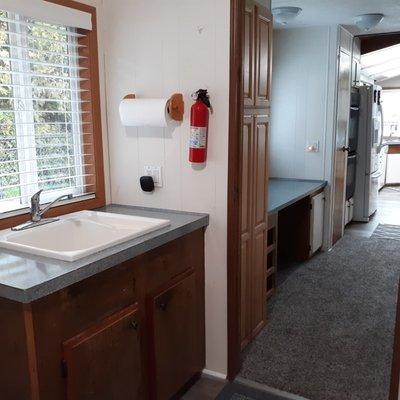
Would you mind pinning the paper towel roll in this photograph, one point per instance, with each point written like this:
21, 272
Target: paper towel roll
144, 112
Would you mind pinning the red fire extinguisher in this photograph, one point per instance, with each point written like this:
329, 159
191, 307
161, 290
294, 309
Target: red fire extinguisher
199, 117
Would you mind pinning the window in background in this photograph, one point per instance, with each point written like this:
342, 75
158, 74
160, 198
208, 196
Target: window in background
391, 113
47, 134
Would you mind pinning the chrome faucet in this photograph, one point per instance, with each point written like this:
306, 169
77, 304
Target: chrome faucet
37, 212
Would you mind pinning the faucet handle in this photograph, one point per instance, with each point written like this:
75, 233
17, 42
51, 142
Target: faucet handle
35, 199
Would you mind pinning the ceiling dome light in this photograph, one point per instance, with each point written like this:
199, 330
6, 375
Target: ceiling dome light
368, 21
283, 15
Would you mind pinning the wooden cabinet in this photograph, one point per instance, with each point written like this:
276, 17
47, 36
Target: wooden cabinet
104, 361
177, 335
135, 331
263, 63
254, 168
257, 61
249, 55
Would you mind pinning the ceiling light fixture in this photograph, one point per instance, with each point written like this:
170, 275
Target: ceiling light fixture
283, 15
368, 21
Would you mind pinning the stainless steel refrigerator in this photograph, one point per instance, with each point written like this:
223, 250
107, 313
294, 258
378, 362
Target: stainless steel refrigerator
370, 136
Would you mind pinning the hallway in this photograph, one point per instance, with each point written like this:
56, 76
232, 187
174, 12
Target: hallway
388, 213
330, 326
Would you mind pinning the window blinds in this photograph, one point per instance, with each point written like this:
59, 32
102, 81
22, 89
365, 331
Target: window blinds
46, 135
46, 11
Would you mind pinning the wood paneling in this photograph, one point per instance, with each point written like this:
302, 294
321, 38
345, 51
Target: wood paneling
104, 362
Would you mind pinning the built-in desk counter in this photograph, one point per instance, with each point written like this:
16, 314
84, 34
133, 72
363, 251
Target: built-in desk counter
291, 223
284, 192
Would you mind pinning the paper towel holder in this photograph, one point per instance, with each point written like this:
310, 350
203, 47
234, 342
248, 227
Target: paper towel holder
175, 105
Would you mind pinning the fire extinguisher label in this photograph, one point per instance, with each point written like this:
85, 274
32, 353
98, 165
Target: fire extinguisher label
198, 137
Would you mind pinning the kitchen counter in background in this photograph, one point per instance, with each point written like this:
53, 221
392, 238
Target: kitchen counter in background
283, 192
25, 278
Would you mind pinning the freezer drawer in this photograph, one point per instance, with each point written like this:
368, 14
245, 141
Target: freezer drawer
374, 192
351, 176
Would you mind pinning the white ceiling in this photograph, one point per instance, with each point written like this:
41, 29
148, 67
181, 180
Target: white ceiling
341, 12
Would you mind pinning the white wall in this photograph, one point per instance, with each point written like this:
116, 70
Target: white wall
156, 48
302, 102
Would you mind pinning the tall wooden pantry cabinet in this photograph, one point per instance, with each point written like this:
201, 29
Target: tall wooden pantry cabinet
257, 60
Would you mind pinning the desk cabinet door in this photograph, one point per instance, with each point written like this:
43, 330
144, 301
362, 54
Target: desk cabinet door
317, 222
104, 362
177, 336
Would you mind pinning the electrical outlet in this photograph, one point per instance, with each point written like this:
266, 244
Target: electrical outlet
155, 172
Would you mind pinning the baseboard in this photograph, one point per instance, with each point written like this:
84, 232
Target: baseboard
269, 390
214, 374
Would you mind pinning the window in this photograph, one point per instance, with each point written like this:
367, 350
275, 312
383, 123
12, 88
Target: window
382, 64
391, 114
49, 136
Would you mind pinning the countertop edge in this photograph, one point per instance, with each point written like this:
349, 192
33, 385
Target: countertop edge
51, 286
319, 185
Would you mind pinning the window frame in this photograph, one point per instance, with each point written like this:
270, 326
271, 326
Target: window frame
93, 82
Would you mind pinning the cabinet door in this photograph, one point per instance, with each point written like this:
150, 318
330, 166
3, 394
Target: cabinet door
249, 55
260, 214
263, 57
317, 222
247, 140
104, 362
178, 336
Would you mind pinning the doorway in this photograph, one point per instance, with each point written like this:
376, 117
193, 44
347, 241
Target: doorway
293, 311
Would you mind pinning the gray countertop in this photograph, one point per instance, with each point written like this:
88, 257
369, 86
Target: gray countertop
284, 192
25, 278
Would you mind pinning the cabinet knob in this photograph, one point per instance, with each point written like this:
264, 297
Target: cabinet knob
163, 306
134, 325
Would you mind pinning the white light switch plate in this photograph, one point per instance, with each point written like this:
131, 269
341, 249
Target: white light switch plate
313, 147
155, 172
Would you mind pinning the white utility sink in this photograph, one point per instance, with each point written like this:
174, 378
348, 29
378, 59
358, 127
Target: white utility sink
79, 234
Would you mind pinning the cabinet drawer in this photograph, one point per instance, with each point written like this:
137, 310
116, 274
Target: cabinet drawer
168, 261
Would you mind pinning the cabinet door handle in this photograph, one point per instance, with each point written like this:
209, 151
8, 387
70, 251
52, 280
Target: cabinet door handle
134, 325
163, 305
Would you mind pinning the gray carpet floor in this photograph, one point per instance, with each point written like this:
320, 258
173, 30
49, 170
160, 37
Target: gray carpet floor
330, 327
